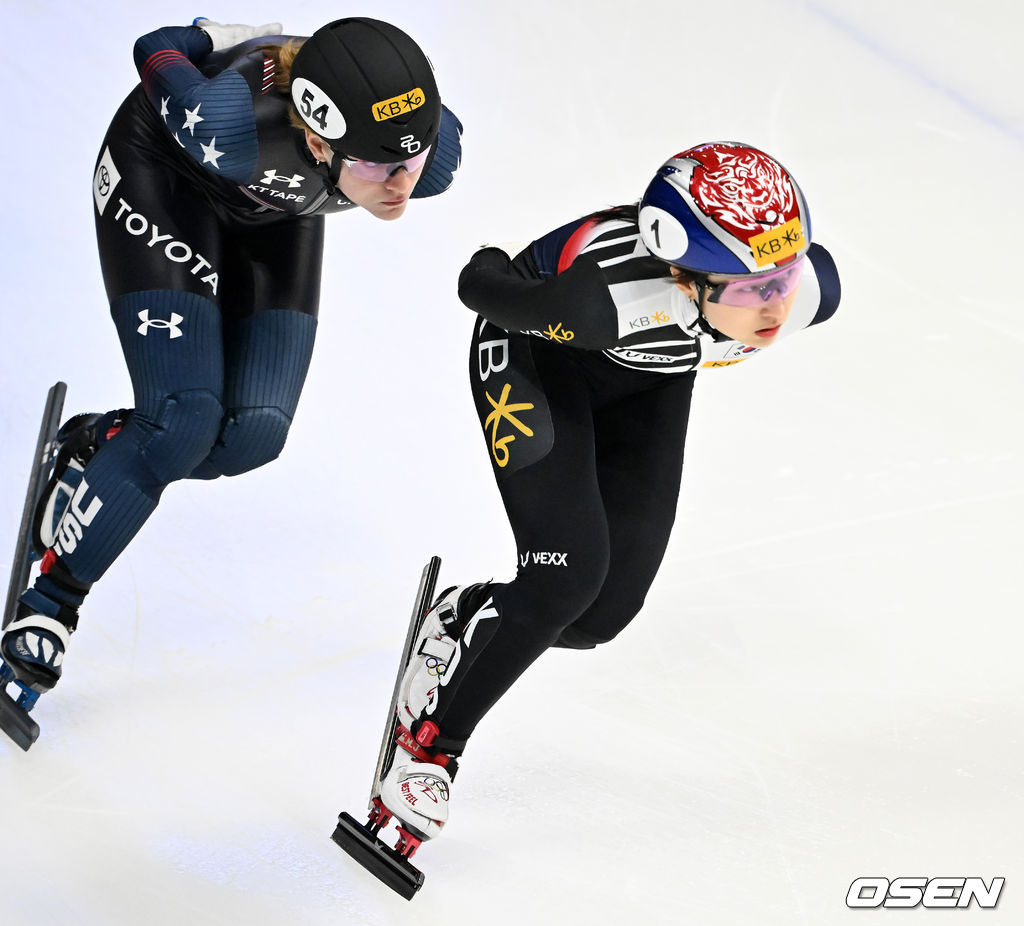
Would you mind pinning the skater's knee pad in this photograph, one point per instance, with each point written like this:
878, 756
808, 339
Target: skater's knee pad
180, 434
551, 598
610, 614
571, 638
249, 438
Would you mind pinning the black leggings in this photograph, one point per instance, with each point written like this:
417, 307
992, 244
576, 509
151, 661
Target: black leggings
590, 480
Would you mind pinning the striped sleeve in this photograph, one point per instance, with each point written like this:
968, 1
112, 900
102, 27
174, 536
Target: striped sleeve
211, 119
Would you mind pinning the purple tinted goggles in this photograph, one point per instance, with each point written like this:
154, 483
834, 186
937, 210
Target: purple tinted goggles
757, 289
378, 173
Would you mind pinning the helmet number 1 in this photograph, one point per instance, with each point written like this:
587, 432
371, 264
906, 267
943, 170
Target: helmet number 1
318, 115
662, 233
657, 234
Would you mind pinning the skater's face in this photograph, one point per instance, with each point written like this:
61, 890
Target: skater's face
755, 323
385, 198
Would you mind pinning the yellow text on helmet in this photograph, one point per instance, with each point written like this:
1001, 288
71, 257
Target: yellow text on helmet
778, 243
399, 105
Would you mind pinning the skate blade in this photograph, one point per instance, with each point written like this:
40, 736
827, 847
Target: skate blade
16, 723
378, 858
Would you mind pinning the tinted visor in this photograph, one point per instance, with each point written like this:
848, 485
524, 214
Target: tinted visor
378, 172
757, 289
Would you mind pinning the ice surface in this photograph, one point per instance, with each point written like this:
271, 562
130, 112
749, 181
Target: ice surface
825, 683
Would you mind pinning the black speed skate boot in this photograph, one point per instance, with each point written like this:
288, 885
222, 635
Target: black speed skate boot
38, 625
34, 643
32, 646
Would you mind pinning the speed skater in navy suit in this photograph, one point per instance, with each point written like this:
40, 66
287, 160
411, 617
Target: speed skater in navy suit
210, 192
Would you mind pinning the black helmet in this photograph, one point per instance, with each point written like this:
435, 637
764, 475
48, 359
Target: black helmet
367, 89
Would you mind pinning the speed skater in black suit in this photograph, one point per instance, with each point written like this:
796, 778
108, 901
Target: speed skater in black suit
582, 364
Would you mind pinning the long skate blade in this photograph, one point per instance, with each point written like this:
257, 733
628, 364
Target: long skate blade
424, 597
16, 723
378, 858
42, 463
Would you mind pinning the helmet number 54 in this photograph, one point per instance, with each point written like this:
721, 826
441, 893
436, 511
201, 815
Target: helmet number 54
318, 115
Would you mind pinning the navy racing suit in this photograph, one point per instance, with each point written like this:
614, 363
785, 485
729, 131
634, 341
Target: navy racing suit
209, 215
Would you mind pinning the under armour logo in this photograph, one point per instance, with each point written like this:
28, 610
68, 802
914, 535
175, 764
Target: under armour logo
271, 175
171, 325
410, 143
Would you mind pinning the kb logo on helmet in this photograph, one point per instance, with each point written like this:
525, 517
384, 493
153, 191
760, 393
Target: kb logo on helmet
776, 243
399, 105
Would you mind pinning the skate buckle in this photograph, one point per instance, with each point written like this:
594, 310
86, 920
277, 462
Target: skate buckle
427, 733
407, 741
380, 816
446, 613
407, 843
414, 744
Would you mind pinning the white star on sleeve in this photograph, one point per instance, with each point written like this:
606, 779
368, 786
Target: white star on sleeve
192, 117
210, 152
164, 111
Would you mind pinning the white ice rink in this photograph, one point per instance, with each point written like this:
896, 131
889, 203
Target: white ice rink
826, 681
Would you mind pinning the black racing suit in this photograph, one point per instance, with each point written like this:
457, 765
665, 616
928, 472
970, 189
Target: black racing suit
209, 216
582, 366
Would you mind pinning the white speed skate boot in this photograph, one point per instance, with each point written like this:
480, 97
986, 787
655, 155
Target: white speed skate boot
447, 631
417, 787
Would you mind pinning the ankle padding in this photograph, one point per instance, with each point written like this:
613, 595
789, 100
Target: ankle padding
34, 605
59, 574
